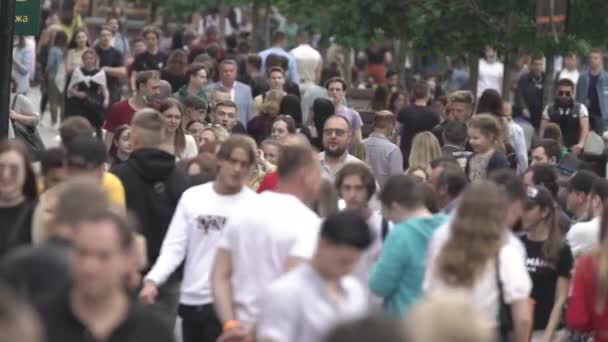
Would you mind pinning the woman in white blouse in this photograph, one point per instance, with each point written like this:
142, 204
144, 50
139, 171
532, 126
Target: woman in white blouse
175, 140
472, 255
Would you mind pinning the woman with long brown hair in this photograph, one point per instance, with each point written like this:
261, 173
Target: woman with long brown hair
587, 309
476, 259
175, 140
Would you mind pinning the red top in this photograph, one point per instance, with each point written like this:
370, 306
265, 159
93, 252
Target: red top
269, 182
121, 113
582, 315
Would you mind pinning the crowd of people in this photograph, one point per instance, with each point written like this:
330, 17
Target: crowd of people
210, 193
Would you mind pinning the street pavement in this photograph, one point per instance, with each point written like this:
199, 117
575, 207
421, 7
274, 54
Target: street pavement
49, 134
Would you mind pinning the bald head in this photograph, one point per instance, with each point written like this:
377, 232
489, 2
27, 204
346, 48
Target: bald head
165, 90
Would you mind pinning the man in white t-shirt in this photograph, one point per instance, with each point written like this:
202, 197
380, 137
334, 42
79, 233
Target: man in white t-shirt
356, 185
491, 71
570, 70
583, 237
194, 234
265, 240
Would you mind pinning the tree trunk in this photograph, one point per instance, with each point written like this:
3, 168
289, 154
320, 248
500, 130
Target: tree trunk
473, 62
255, 16
549, 85
348, 65
266, 37
221, 15
506, 76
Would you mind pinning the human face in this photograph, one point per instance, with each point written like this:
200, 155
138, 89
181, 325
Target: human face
55, 176
151, 41
335, 92
392, 81
564, 94
207, 137
279, 130
151, 89
89, 61
460, 111
529, 179
576, 201
219, 96
124, 142
571, 62
12, 174
173, 118
234, 170
490, 53
271, 153
228, 74
81, 40
113, 25
336, 136
105, 38
99, 261
354, 192
595, 61
532, 216
539, 156
537, 66
276, 80
399, 103
199, 79
195, 130
225, 116
479, 142
514, 213
337, 260
139, 47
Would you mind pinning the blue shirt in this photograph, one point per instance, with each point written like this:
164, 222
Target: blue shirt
292, 70
398, 275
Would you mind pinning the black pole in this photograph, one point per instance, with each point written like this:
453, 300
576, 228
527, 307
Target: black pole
7, 17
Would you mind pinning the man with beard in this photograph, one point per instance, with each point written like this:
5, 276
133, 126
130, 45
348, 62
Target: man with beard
337, 136
571, 116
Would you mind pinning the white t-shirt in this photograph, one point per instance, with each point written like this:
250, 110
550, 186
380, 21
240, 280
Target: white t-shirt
571, 75
514, 276
490, 76
308, 61
584, 236
363, 269
260, 239
191, 149
197, 226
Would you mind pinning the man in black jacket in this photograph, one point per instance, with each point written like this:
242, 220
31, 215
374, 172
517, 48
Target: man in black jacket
530, 89
153, 186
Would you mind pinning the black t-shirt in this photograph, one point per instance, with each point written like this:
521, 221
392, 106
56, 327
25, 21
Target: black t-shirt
415, 119
111, 57
16, 223
147, 61
544, 278
176, 81
140, 325
594, 100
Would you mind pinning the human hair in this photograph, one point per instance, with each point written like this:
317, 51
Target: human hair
597, 51
275, 69
565, 82
104, 28
29, 189
279, 37
125, 228
238, 141
510, 183
358, 150
425, 148
322, 109
207, 162
453, 177
144, 77
490, 102
421, 90
364, 173
384, 119
380, 99
294, 158
116, 138
78, 31
229, 62
551, 147
475, 238
460, 321
393, 98
582, 181
600, 189
541, 197
489, 127
254, 60
91, 52
276, 60
545, 175
455, 133
149, 124
194, 69
462, 96
60, 40
18, 321
289, 121
73, 127
74, 192
554, 132
290, 105
194, 102
177, 55
179, 141
150, 29
365, 329
52, 158
347, 228
226, 103
403, 190
272, 103
336, 80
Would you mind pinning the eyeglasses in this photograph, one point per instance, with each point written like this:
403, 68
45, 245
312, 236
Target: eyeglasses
565, 93
334, 131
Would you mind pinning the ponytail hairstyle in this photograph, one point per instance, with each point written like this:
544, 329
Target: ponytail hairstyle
541, 197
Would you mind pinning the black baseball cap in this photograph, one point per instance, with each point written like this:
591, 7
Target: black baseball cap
538, 196
86, 153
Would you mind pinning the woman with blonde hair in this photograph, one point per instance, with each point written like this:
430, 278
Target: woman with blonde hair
476, 259
260, 127
425, 149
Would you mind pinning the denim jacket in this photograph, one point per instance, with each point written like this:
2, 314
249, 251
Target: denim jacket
582, 89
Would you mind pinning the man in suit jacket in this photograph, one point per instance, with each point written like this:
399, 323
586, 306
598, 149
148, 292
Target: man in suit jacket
240, 93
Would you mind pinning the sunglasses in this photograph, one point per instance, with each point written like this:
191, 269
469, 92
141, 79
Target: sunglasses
565, 93
334, 131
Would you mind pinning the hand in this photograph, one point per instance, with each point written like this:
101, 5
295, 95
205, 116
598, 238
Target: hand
237, 335
79, 94
577, 149
13, 115
148, 293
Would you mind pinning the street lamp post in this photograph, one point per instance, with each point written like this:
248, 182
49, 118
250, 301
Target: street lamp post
7, 16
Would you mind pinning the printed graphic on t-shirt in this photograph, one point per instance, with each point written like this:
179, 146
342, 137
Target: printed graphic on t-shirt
210, 222
533, 263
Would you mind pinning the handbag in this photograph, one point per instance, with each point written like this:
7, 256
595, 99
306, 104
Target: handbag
28, 135
594, 145
505, 318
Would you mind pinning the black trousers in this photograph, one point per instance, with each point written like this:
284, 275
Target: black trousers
199, 323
